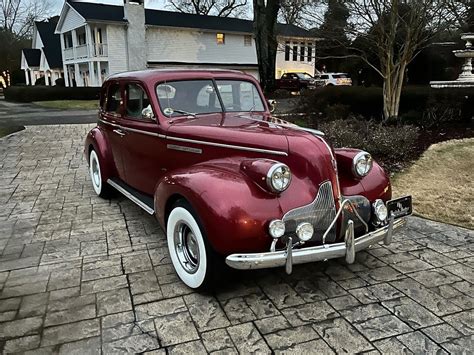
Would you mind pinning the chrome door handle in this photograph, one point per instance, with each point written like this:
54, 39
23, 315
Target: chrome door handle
119, 132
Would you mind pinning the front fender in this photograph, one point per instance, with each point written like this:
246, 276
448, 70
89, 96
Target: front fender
97, 140
375, 185
233, 210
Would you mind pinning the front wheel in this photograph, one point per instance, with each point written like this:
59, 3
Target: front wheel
95, 172
192, 258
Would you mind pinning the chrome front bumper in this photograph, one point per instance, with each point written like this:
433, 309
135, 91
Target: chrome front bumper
291, 256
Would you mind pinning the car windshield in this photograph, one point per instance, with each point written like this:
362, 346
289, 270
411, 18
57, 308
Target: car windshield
304, 76
193, 97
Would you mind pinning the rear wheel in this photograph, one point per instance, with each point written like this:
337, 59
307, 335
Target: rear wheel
192, 258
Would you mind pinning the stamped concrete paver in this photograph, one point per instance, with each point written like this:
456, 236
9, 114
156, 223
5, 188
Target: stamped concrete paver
79, 274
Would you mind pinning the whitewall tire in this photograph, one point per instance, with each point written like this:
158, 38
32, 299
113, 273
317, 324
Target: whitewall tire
95, 172
187, 247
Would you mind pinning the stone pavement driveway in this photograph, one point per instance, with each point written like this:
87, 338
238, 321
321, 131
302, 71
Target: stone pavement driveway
83, 275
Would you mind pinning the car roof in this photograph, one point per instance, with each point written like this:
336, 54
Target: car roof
154, 75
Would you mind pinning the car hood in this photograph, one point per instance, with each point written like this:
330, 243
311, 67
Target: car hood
253, 130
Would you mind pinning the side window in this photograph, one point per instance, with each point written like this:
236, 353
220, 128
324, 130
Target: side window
137, 100
114, 99
324, 77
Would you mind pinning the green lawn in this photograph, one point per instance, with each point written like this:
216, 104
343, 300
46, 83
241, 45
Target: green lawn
70, 104
4, 131
441, 183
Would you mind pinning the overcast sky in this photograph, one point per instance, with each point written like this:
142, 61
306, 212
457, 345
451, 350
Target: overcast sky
155, 4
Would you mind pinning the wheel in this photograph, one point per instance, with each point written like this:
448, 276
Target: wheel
193, 259
100, 187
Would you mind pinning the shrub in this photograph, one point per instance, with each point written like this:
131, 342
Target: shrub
389, 145
48, 93
60, 82
419, 105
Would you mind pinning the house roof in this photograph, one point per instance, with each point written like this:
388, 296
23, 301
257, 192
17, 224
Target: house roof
32, 56
98, 12
113, 13
227, 24
51, 42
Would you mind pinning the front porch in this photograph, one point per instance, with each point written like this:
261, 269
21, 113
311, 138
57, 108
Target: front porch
32, 75
86, 73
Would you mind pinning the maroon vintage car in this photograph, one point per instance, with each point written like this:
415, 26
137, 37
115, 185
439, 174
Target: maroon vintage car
199, 150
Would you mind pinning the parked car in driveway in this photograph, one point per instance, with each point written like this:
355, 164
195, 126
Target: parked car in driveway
296, 82
333, 79
200, 151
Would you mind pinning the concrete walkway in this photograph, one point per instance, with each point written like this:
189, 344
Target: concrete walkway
79, 274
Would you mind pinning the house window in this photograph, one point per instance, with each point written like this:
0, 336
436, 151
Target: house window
287, 51
247, 41
310, 52
295, 53
302, 52
220, 38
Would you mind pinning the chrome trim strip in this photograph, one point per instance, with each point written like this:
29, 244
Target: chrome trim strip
311, 254
193, 141
182, 148
131, 197
222, 145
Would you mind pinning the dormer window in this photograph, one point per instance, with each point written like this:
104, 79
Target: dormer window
220, 38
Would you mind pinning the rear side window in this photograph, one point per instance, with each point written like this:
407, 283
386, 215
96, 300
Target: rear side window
137, 100
114, 99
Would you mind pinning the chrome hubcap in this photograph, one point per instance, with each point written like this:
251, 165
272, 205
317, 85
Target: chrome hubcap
187, 247
95, 172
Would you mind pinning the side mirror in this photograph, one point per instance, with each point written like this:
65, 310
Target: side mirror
272, 104
147, 113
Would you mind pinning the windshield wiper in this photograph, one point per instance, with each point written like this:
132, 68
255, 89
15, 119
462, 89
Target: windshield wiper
184, 112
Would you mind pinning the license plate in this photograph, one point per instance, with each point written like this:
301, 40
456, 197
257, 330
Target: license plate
400, 207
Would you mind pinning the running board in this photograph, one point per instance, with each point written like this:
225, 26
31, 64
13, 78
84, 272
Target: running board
142, 200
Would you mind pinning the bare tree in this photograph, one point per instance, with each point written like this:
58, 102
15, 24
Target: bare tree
18, 16
221, 8
392, 33
307, 14
265, 22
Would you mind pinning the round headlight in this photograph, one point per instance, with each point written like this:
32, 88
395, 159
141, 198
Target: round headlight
362, 164
305, 231
276, 228
380, 210
278, 177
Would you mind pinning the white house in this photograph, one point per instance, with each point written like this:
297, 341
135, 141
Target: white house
98, 40
44, 59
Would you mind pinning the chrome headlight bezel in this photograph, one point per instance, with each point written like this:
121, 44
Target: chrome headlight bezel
362, 158
276, 228
272, 175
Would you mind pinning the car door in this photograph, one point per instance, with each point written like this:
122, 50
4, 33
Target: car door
144, 146
111, 114
294, 83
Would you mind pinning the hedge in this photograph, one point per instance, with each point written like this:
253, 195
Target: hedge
49, 93
418, 105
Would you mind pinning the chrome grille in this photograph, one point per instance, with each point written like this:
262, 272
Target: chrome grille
320, 213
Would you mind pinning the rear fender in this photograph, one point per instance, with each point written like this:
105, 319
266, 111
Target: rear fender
233, 210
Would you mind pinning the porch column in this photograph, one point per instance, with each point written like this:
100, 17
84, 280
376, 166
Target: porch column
33, 77
77, 75
99, 74
27, 77
47, 81
92, 77
89, 41
66, 75
74, 42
